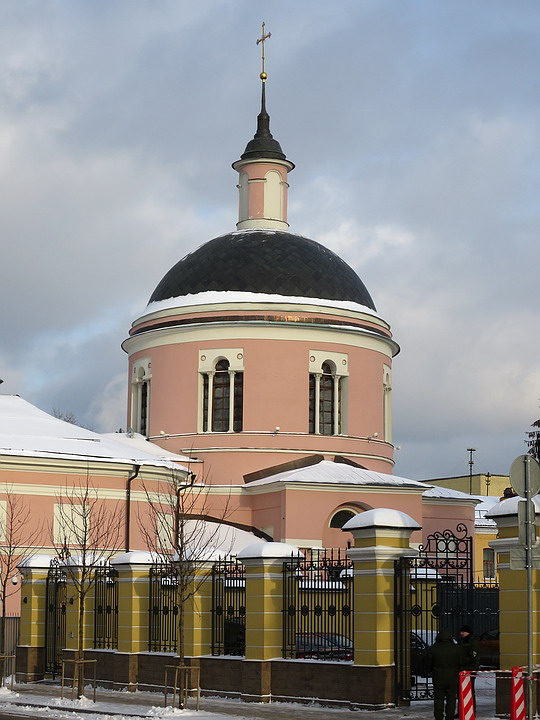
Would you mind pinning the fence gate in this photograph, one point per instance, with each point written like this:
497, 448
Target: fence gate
55, 618
318, 606
106, 608
163, 621
228, 608
436, 591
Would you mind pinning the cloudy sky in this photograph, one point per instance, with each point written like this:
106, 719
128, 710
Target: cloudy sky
414, 125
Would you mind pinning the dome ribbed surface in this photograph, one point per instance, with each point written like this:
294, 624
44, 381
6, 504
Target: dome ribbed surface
264, 261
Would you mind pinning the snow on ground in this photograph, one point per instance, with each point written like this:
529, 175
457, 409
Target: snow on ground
34, 705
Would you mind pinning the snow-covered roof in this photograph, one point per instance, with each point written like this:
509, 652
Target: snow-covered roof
25, 430
332, 473
138, 443
214, 297
442, 492
205, 540
483, 507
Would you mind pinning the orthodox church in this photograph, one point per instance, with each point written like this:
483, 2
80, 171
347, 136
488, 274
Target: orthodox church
261, 355
260, 373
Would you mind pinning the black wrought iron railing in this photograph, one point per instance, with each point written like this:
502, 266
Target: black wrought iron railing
55, 618
163, 609
318, 606
228, 608
106, 608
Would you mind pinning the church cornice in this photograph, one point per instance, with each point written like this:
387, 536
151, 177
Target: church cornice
368, 338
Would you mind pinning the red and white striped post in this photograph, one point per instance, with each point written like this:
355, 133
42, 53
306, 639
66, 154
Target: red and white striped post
517, 703
466, 702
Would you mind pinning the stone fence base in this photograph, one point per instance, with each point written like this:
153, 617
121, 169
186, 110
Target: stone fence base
329, 683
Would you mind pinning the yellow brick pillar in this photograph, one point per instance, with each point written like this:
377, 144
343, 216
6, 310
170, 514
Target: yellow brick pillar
264, 617
133, 570
381, 536
133, 600
31, 649
512, 575
198, 611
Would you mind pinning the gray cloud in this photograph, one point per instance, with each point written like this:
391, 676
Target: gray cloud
414, 127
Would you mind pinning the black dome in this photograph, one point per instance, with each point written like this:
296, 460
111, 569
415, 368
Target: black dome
264, 261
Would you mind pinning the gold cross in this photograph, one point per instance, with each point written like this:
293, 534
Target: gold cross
261, 40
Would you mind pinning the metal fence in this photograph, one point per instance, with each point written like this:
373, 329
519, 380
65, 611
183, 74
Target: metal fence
106, 608
228, 608
12, 625
55, 619
163, 609
318, 606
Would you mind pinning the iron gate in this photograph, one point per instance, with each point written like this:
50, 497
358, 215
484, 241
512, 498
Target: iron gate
435, 591
55, 618
228, 608
106, 608
163, 607
318, 606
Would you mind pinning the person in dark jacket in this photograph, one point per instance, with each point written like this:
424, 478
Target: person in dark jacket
470, 644
445, 659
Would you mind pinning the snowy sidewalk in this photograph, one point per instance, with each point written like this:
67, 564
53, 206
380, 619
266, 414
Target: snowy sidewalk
27, 698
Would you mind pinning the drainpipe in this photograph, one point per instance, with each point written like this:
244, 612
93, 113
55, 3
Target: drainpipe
179, 490
136, 469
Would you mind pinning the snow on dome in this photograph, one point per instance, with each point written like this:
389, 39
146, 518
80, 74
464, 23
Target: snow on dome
221, 297
269, 550
25, 430
382, 517
509, 506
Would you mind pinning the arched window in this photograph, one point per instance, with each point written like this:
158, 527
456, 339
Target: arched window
223, 401
273, 195
341, 517
326, 390
140, 396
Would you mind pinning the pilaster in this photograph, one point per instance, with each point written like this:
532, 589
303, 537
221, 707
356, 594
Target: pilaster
381, 536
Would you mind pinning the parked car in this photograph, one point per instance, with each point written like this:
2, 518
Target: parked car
419, 646
323, 646
421, 640
488, 647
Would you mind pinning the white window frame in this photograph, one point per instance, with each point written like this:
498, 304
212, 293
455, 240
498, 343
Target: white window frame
340, 375
207, 364
141, 375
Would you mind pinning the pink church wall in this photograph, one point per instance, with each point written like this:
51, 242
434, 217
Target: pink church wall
303, 514
276, 387
438, 517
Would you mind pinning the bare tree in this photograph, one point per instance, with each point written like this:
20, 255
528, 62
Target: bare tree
533, 443
18, 537
69, 417
179, 526
88, 526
